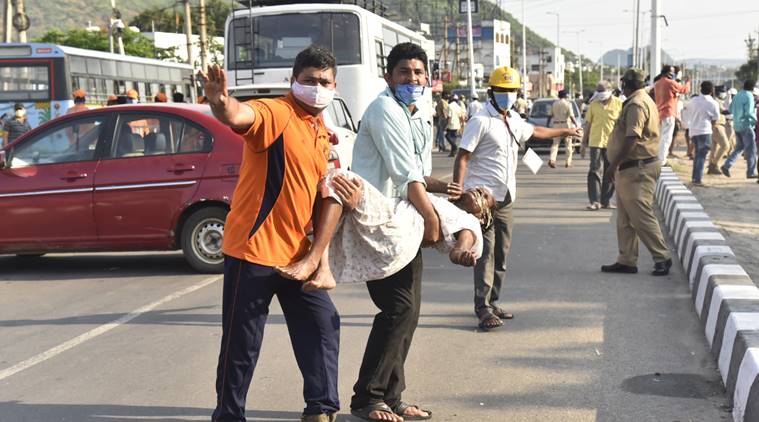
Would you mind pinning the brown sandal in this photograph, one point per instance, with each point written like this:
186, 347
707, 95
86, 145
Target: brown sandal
500, 313
488, 321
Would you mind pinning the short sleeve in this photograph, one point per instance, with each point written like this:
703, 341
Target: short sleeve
522, 130
635, 121
270, 121
473, 133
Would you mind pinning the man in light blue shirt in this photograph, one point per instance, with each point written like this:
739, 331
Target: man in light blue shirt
744, 119
393, 152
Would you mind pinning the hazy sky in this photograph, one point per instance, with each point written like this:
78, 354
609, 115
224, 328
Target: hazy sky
697, 28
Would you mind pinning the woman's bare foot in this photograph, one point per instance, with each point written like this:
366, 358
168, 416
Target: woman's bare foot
322, 280
299, 270
462, 257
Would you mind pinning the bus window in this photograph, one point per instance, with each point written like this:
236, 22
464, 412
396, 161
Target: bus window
380, 55
108, 67
164, 74
138, 71
93, 66
25, 82
141, 90
125, 71
77, 64
151, 73
154, 89
279, 38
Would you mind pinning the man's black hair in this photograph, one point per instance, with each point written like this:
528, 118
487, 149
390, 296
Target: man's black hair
314, 56
405, 51
177, 97
749, 85
707, 88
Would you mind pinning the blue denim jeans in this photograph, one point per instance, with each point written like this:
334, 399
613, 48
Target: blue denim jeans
745, 140
702, 143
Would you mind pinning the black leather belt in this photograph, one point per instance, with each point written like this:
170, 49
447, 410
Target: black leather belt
637, 163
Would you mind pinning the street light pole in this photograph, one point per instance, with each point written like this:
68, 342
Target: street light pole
524, 50
558, 27
472, 91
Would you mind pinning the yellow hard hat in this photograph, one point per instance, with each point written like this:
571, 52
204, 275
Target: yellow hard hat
505, 77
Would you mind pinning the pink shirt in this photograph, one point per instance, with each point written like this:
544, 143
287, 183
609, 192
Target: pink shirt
665, 91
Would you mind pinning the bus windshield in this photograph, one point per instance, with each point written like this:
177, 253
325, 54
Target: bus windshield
279, 38
26, 82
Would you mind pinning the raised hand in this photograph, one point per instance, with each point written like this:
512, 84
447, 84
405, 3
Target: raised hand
214, 85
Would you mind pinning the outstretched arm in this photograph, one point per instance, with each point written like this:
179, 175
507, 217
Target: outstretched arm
547, 133
225, 108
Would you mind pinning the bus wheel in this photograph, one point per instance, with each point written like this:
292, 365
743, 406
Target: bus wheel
202, 237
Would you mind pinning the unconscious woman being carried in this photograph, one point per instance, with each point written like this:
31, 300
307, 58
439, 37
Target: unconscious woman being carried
382, 235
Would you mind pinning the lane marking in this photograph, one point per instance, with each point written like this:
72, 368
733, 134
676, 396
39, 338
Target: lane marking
89, 335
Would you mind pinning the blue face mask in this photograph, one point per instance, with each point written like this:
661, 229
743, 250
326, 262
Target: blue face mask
408, 94
505, 100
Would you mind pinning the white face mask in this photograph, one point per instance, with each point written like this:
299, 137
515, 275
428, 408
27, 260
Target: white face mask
315, 96
603, 95
20, 113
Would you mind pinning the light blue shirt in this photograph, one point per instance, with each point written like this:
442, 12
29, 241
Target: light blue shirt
393, 147
743, 111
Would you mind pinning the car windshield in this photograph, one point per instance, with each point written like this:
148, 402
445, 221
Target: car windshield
541, 109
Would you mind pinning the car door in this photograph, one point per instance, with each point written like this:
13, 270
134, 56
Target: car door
154, 168
46, 192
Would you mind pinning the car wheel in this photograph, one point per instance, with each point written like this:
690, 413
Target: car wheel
202, 237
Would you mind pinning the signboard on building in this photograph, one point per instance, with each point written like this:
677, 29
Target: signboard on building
464, 5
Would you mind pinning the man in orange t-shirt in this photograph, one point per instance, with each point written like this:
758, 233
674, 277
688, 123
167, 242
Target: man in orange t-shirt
284, 157
666, 90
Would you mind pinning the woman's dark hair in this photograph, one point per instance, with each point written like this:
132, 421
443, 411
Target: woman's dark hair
749, 85
707, 88
314, 56
405, 51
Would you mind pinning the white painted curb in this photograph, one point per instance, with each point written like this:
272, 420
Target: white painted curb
724, 296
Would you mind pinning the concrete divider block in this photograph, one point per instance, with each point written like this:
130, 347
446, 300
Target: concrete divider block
743, 377
664, 185
690, 225
674, 230
676, 199
678, 207
692, 232
712, 237
704, 285
716, 254
722, 293
734, 316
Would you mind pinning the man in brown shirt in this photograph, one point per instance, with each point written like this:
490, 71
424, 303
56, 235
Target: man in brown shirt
633, 155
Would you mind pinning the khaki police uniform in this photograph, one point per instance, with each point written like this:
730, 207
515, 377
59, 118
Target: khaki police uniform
720, 138
561, 113
636, 179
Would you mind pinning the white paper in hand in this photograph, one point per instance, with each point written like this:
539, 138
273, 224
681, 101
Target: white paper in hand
532, 161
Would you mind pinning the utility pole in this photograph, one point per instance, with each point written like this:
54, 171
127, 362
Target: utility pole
618, 66
203, 35
524, 50
188, 32
636, 41
21, 12
444, 53
456, 56
655, 62
558, 28
472, 91
8, 35
541, 75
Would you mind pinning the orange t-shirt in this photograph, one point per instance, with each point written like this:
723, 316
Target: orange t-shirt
665, 92
285, 156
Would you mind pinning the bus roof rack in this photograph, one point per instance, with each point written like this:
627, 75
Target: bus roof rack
374, 6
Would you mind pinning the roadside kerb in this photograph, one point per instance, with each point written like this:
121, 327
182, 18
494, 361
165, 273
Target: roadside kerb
724, 296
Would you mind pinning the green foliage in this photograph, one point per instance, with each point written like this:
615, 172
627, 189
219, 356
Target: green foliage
134, 43
747, 71
172, 19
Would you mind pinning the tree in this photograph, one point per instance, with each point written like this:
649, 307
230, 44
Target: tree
135, 44
749, 70
172, 20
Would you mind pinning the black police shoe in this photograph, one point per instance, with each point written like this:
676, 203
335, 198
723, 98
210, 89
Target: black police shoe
662, 268
619, 268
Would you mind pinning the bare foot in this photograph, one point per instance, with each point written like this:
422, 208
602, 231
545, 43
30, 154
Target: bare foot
322, 280
415, 411
299, 270
462, 257
379, 415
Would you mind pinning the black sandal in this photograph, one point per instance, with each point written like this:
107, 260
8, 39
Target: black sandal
400, 409
363, 412
489, 321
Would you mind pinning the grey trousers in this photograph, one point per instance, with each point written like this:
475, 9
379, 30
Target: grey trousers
490, 270
599, 189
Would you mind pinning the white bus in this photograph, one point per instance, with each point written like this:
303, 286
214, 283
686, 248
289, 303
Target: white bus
359, 39
44, 76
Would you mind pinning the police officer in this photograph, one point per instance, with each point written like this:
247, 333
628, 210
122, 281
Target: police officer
633, 154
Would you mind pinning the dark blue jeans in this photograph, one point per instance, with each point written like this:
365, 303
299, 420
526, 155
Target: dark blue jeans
313, 323
702, 143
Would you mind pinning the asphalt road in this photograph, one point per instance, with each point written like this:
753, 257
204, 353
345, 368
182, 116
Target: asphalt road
132, 337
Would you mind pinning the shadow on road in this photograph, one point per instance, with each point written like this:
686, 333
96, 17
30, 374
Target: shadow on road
102, 265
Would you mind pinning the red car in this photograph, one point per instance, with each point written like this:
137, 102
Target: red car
122, 178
